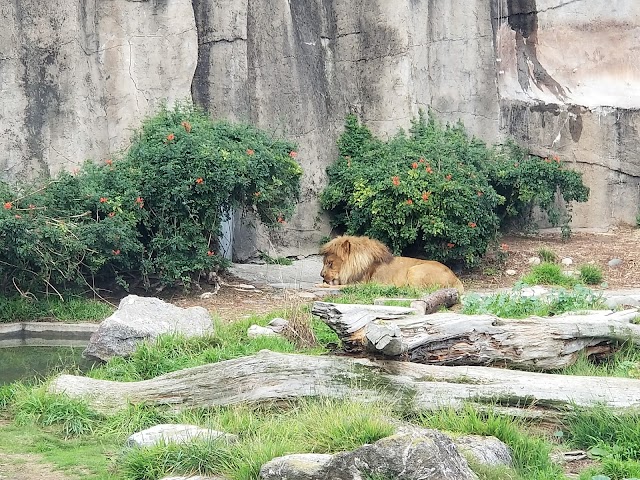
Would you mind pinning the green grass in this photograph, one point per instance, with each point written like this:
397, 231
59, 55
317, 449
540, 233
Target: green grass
624, 363
590, 274
368, 292
548, 274
52, 309
546, 255
513, 305
530, 453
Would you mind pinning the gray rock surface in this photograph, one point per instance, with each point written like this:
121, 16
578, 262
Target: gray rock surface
485, 450
406, 456
76, 77
175, 433
144, 318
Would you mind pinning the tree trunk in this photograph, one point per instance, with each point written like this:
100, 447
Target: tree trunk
269, 376
448, 338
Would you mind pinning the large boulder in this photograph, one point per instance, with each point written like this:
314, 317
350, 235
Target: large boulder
427, 454
141, 319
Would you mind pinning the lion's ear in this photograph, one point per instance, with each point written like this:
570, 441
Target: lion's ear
345, 248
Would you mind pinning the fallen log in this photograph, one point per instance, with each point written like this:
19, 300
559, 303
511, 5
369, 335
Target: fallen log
447, 338
269, 376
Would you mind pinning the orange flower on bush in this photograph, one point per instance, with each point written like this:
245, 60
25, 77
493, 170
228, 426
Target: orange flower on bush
116, 252
18, 216
395, 180
250, 152
516, 164
409, 201
140, 202
293, 154
108, 161
421, 160
480, 193
281, 220
426, 195
414, 165
504, 247
170, 137
556, 158
111, 214
451, 245
548, 160
199, 180
104, 199
472, 224
210, 253
8, 206
448, 177
187, 126
257, 194
428, 169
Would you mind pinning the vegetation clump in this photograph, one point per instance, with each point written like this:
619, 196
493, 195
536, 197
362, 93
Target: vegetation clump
437, 193
150, 217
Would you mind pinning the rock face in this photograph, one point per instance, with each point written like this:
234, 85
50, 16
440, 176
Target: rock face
407, 456
76, 77
175, 433
144, 318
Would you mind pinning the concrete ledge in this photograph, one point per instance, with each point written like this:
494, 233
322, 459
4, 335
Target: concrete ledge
51, 334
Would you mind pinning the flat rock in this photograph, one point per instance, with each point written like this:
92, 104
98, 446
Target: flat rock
485, 450
141, 319
175, 433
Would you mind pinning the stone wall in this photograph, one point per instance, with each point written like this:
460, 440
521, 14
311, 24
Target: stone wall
77, 77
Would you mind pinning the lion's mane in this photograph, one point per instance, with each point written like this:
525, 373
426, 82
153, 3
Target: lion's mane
359, 255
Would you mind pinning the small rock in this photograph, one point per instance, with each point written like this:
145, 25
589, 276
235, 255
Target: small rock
207, 295
511, 273
567, 261
278, 324
614, 262
175, 433
255, 331
301, 257
244, 286
535, 291
534, 260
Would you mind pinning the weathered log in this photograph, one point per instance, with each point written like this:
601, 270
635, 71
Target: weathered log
534, 343
433, 302
269, 376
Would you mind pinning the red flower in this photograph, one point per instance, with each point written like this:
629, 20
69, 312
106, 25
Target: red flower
187, 126
210, 253
409, 201
421, 160
556, 158
108, 161
32, 206
140, 201
414, 165
448, 177
472, 224
395, 180
199, 180
504, 247
250, 152
257, 194
112, 214
451, 245
18, 216
480, 193
293, 154
116, 252
426, 195
8, 206
428, 169
170, 137
281, 220
104, 199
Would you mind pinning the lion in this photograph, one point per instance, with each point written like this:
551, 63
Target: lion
350, 259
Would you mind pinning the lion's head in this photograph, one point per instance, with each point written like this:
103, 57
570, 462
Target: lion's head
350, 259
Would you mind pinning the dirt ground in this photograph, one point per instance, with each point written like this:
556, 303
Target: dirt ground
623, 243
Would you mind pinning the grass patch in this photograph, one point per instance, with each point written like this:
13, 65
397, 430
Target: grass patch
513, 305
547, 255
366, 293
52, 309
548, 274
624, 363
590, 274
530, 452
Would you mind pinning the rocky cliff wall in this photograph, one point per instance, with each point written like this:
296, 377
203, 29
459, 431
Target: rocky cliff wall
77, 77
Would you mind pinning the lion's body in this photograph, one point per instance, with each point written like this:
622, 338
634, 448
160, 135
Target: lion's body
350, 259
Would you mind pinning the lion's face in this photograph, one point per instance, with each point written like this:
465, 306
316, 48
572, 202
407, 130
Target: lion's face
331, 269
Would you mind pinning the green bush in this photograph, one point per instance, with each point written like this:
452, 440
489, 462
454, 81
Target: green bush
153, 215
436, 192
548, 274
590, 274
